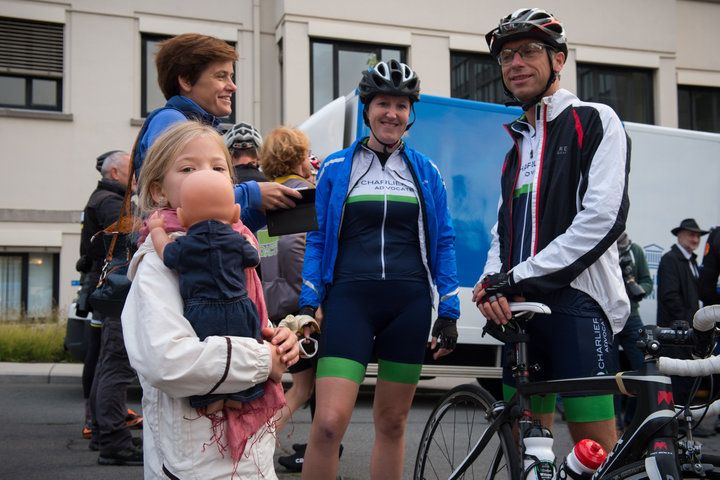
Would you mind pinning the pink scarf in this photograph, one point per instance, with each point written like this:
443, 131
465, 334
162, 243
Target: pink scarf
256, 414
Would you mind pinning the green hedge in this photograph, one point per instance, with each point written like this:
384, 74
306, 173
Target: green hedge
32, 341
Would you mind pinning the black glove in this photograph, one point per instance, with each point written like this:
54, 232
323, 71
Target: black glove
307, 310
498, 283
445, 329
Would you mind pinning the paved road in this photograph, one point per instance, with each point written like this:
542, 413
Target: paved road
41, 418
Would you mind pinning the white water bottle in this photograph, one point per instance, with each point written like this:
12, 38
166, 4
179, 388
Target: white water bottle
584, 460
539, 459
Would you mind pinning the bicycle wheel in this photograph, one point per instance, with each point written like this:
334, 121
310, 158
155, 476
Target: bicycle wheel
454, 427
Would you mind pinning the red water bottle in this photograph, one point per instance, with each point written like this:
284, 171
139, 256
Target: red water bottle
584, 460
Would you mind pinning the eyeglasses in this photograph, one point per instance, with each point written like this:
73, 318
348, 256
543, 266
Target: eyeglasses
527, 51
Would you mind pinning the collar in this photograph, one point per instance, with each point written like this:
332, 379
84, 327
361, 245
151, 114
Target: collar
554, 105
192, 110
112, 186
685, 253
285, 178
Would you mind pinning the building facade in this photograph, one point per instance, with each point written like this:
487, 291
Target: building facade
77, 77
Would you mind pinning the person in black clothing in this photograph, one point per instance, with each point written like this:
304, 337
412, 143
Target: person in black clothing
707, 283
678, 299
106, 388
102, 209
244, 142
710, 270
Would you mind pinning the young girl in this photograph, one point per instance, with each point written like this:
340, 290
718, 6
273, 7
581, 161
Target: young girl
171, 361
210, 260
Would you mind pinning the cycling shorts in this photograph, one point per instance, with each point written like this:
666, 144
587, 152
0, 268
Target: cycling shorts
391, 316
568, 346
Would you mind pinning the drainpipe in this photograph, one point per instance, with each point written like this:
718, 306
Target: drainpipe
256, 64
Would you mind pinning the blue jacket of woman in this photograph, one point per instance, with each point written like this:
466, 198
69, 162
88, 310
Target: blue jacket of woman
322, 245
181, 109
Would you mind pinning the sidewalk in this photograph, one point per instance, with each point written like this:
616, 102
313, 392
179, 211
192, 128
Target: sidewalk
40, 372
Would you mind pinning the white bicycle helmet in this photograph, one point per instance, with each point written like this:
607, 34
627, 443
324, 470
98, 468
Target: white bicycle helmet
243, 136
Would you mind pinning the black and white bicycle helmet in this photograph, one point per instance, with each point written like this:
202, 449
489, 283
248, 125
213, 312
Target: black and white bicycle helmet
528, 23
534, 23
390, 78
243, 136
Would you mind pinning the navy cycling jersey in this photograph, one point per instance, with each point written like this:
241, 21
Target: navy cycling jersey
379, 237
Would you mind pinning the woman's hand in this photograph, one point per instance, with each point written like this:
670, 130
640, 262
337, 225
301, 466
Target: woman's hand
286, 344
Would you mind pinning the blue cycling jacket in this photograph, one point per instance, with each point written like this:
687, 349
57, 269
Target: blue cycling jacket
333, 185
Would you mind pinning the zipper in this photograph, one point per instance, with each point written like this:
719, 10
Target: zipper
382, 232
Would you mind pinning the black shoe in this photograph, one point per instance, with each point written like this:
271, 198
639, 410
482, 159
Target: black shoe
94, 445
299, 447
293, 462
126, 456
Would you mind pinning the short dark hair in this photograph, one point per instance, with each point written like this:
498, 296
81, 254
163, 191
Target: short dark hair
186, 56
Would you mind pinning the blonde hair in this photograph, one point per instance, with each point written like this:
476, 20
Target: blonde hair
163, 152
282, 151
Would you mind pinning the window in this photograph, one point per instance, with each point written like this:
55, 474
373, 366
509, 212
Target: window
335, 67
699, 108
28, 284
31, 64
151, 95
475, 76
629, 91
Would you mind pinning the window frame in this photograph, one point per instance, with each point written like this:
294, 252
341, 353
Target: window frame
692, 91
345, 45
25, 282
471, 59
596, 69
34, 51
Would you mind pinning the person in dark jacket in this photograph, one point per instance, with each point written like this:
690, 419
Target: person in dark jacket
638, 285
677, 277
708, 281
678, 297
107, 371
710, 270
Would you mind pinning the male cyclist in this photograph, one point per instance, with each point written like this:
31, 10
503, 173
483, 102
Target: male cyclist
563, 205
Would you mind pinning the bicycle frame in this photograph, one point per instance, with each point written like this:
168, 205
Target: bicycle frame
652, 434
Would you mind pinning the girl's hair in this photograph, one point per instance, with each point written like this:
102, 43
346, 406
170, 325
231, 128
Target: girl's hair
187, 56
163, 152
282, 151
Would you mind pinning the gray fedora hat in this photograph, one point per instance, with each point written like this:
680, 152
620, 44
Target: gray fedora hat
688, 224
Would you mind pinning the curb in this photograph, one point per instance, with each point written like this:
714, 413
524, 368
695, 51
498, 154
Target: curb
11, 372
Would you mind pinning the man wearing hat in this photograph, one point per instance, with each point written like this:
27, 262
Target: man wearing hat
677, 277
678, 297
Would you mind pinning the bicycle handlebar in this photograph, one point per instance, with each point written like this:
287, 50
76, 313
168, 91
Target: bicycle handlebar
689, 368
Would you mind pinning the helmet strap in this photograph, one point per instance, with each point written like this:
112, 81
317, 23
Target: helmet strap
387, 145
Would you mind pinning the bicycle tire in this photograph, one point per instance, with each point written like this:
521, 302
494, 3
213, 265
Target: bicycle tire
453, 428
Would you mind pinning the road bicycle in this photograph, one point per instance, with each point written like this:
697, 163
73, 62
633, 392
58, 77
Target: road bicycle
470, 435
